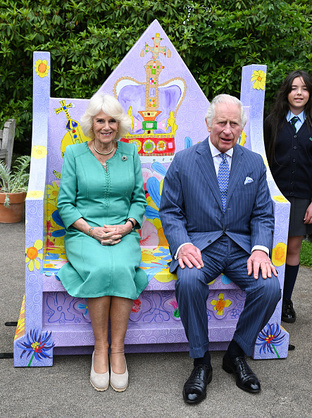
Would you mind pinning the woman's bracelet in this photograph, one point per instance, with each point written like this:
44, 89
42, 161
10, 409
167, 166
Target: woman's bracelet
90, 232
130, 220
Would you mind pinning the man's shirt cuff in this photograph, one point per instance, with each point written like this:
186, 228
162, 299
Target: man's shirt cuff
177, 252
261, 248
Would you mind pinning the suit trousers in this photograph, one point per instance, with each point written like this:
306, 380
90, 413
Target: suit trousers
192, 291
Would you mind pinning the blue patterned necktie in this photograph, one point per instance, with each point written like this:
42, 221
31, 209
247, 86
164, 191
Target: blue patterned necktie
223, 179
293, 122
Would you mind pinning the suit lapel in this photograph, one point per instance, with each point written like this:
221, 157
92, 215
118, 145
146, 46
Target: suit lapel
205, 163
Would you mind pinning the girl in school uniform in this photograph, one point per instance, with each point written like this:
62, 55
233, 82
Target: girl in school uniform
288, 142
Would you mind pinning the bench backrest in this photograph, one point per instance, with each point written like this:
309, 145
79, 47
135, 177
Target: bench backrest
167, 109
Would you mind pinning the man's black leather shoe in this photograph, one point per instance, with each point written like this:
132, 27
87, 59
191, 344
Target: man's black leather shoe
245, 377
288, 312
194, 390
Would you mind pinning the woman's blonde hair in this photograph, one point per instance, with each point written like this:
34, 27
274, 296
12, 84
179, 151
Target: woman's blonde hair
109, 105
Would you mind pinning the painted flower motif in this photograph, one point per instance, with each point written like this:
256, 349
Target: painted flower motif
82, 308
34, 194
157, 312
59, 305
155, 264
258, 78
175, 306
149, 146
60, 232
242, 139
154, 189
136, 306
32, 255
269, 338
279, 254
280, 199
137, 143
52, 192
149, 235
38, 152
42, 68
220, 304
161, 146
37, 345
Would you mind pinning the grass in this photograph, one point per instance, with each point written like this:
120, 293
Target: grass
306, 253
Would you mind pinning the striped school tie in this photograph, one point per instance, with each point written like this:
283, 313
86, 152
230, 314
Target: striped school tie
293, 122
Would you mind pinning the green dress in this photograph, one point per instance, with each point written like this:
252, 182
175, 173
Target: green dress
101, 197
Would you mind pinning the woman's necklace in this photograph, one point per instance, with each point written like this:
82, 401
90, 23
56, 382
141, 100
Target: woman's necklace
103, 153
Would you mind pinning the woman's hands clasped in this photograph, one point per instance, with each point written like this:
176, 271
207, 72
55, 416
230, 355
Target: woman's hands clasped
111, 234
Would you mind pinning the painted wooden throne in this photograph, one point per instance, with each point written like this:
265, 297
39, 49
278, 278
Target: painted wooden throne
167, 108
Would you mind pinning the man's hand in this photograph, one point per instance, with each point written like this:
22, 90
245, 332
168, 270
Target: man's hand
190, 256
260, 260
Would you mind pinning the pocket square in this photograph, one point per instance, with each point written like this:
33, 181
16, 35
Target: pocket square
248, 180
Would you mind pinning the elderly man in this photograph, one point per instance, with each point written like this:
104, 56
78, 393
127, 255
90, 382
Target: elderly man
217, 216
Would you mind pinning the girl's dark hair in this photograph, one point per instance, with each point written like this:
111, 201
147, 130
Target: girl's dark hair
281, 106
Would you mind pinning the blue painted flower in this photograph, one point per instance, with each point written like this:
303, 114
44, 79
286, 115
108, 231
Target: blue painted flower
153, 186
58, 220
36, 345
82, 307
270, 337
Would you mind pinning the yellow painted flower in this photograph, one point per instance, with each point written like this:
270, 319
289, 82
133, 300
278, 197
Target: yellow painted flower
242, 139
279, 253
157, 265
258, 78
52, 192
38, 152
42, 68
34, 194
220, 304
151, 203
32, 255
280, 198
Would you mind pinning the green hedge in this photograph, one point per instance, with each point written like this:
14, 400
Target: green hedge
87, 40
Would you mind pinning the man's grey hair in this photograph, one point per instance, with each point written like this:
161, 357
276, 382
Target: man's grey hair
225, 98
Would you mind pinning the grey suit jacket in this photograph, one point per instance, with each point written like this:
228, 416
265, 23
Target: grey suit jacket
191, 208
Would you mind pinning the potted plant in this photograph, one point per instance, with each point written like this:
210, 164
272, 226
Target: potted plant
13, 188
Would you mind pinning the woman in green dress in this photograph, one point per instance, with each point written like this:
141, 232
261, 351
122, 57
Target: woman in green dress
102, 202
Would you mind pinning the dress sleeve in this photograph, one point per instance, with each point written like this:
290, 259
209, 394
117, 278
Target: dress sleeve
138, 200
66, 203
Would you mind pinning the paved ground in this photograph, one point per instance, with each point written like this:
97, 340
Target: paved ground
156, 380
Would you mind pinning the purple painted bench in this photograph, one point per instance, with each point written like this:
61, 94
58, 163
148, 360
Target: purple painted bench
167, 109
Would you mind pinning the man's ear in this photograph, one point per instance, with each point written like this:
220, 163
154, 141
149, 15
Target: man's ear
208, 127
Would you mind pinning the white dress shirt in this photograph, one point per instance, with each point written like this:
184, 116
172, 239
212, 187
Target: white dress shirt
300, 121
